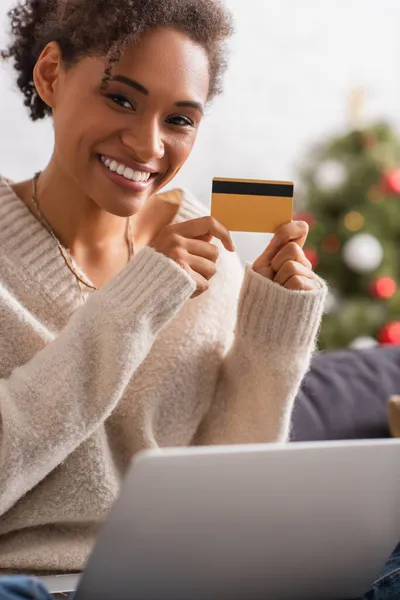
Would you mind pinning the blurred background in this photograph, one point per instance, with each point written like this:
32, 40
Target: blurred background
312, 95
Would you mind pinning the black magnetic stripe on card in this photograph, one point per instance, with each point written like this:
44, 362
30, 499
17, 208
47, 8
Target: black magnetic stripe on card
244, 188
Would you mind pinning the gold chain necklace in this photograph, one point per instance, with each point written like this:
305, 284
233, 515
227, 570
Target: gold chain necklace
65, 253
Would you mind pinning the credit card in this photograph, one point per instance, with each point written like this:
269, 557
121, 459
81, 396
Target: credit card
252, 205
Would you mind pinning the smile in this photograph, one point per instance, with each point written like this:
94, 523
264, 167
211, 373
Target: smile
126, 172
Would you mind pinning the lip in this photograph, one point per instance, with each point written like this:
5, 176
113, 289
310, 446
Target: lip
131, 163
132, 186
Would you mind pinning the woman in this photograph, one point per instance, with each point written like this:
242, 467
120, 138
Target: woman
123, 326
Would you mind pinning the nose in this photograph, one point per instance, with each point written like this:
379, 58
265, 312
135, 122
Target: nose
145, 140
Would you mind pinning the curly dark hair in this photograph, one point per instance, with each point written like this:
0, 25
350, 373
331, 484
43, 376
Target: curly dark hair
103, 28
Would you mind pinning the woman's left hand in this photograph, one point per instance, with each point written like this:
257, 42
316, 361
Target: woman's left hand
284, 261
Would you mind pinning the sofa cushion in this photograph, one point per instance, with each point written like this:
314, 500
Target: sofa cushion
345, 395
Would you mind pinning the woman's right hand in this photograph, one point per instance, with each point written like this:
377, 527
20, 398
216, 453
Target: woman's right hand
189, 245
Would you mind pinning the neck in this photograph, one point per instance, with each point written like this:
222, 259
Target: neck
79, 223
95, 238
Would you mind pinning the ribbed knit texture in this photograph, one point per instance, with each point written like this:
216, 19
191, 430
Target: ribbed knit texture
139, 365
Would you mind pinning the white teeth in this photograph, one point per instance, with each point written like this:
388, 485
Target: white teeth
126, 172
137, 176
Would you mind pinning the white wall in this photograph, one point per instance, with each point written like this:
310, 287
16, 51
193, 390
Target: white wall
293, 65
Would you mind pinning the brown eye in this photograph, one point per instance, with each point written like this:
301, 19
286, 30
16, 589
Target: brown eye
180, 121
121, 100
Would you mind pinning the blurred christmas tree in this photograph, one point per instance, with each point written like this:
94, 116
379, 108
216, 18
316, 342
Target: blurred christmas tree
352, 190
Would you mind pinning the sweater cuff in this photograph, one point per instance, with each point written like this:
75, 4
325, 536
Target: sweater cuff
152, 286
271, 314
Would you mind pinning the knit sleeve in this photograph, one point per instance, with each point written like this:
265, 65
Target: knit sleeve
260, 375
52, 404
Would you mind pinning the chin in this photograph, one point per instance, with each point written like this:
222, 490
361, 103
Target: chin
124, 195
124, 206
121, 197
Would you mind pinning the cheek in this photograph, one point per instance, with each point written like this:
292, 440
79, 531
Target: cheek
180, 149
80, 126
65, 136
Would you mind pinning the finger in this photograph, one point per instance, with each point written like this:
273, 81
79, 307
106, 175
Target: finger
296, 231
204, 249
206, 225
265, 271
304, 284
292, 269
205, 238
293, 252
201, 283
205, 268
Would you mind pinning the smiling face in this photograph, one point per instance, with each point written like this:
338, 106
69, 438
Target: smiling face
122, 144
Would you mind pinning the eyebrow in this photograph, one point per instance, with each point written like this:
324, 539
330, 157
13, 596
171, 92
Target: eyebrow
191, 104
134, 84
140, 88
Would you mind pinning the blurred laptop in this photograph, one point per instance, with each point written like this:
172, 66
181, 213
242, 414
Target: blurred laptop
312, 521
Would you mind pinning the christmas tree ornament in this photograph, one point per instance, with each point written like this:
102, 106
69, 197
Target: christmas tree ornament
383, 288
363, 253
390, 333
312, 256
354, 221
330, 175
331, 243
375, 195
391, 182
363, 342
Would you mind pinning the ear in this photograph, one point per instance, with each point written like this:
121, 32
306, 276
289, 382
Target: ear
47, 72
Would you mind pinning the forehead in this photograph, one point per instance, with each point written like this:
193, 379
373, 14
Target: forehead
167, 61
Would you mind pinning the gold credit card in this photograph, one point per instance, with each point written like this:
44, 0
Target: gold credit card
252, 205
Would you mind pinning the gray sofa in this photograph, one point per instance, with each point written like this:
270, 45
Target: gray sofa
345, 394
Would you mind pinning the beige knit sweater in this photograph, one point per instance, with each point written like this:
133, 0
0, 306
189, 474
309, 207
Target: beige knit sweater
140, 364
